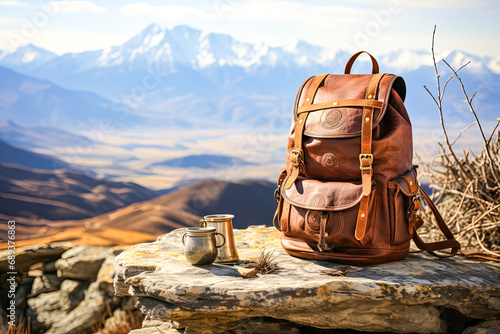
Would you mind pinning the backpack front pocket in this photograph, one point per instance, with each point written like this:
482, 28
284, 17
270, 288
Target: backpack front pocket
401, 192
329, 206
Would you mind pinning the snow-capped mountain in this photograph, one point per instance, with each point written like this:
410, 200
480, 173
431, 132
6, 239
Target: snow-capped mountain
26, 58
187, 47
161, 73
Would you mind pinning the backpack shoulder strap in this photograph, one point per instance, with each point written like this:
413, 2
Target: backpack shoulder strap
296, 155
431, 247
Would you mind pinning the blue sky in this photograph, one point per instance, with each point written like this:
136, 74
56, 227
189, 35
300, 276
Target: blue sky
377, 26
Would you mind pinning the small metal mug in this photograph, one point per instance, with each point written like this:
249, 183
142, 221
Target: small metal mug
223, 224
200, 246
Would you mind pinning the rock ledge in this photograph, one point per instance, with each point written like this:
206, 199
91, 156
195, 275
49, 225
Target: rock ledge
405, 296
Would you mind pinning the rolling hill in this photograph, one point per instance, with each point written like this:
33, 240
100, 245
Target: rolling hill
61, 194
14, 155
39, 136
251, 201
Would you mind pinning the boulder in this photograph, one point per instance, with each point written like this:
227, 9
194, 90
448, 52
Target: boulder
99, 298
45, 283
106, 273
85, 316
49, 308
404, 296
49, 267
22, 292
487, 327
26, 256
155, 327
35, 270
82, 262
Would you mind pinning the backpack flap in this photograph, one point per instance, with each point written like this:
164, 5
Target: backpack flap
407, 183
323, 195
337, 110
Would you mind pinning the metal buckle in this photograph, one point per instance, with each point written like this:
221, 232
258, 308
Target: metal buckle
298, 157
277, 194
365, 156
411, 207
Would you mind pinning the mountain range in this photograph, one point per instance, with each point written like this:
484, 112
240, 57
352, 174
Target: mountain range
38, 137
38, 102
184, 77
204, 161
178, 93
13, 155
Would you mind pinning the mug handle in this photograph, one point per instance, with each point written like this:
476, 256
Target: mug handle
203, 222
183, 238
223, 237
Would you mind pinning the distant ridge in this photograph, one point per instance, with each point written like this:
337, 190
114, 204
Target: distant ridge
29, 101
40, 136
15, 155
251, 201
62, 194
204, 161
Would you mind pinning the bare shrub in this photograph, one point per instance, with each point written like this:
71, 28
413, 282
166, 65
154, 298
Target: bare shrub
466, 188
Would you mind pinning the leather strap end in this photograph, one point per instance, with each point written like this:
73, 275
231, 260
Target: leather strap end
290, 180
366, 178
322, 245
285, 217
360, 231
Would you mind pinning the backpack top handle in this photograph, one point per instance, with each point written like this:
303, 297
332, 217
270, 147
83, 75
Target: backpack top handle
351, 61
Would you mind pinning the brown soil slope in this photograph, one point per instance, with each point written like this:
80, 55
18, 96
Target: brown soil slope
251, 202
62, 194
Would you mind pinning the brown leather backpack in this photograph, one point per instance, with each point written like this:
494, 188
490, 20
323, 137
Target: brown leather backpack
349, 192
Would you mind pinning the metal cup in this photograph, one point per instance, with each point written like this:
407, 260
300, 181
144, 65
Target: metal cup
223, 224
200, 246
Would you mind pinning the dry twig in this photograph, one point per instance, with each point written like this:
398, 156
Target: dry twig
467, 188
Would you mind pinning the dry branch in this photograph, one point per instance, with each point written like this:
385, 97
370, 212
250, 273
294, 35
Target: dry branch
466, 188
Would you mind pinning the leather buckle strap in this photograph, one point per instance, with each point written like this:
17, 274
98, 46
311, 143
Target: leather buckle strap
296, 158
281, 178
365, 161
342, 103
366, 157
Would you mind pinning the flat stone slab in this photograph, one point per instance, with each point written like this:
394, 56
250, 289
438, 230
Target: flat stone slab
405, 296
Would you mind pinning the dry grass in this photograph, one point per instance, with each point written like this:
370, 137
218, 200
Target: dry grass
121, 324
21, 328
265, 264
466, 187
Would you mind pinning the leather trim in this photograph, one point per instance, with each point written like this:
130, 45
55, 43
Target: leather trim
350, 62
342, 103
351, 256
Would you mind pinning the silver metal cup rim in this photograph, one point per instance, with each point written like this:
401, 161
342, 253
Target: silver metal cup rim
218, 217
200, 230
